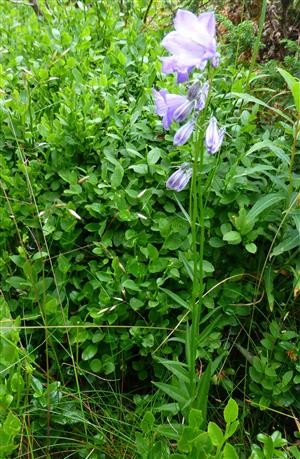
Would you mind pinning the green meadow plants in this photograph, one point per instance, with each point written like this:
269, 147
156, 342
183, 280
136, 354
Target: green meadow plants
149, 248
191, 440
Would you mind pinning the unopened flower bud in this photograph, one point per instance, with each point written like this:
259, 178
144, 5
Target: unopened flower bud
193, 91
183, 111
184, 133
213, 136
215, 61
202, 96
180, 178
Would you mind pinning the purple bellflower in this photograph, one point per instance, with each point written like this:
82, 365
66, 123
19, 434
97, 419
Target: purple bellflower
202, 96
184, 133
183, 111
215, 60
193, 91
180, 178
192, 43
171, 106
213, 136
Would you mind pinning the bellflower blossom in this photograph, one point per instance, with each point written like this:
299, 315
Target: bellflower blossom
192, 44
184, 133
180, 178
213, 136
166, 105
173, 107
202, 96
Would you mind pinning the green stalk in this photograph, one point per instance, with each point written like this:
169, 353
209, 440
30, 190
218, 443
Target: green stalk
193, 214
293, 153
197, 217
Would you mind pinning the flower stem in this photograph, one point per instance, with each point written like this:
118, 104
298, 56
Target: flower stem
197, 219
293, 153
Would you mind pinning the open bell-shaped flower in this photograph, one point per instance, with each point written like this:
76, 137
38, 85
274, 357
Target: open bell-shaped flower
180, 178
166, 105
213, 136
192, 43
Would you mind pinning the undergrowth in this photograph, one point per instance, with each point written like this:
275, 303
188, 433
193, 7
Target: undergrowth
96, 263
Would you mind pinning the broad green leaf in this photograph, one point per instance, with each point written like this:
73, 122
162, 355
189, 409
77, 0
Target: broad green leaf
287, 244
11, 425
175, 298
187, 265
89, 352
195, 418
96, 365
263, 204
170, 408
185, 443
275, 329
295, 451
248, 98
232, 237
18, 260
172, 431
208, 267
139, 168
294, 86
286, 378
159, 450
268, 145
268, 447
256, 453
268, 278
254, 170
131, 285
229, 452
202, 392
278, 440
141, 445
251, 247
202, 446
69, 176
153, 156
215, 434
178, 393
43, 284
147, 423
18, 282
117, 176
231, 411
177, 368
230, 429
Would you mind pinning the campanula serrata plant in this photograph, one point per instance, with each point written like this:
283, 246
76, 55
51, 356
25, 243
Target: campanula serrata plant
192, 46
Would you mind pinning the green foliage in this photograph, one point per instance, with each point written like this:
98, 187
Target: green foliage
275, 370
293, 85
11, 381
192, 440
239, 37
271, 447
95, 254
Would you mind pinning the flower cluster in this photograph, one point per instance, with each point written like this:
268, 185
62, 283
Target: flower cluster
173, 107
192, 45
